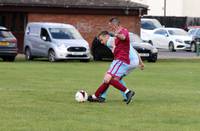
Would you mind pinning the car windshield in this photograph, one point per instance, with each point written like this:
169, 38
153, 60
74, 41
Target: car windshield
177, 32
191, 31
65, 33
150, 25
6, 34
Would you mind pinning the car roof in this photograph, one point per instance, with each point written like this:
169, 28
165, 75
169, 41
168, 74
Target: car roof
51, 24
3, 28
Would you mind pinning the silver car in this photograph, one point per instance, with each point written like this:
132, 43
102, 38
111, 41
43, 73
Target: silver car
54, 41
8, 45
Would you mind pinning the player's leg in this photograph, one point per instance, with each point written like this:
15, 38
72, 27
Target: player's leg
123, 94
117, 69
119, 86
96, 97
104, 95
123, 83
112, 70
131, 67
118, 72
102, 88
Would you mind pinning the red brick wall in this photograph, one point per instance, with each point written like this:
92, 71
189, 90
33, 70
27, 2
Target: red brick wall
88, 25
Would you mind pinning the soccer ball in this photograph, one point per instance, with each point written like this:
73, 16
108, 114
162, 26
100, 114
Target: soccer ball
81, 96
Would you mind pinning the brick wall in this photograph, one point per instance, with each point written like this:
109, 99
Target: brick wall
88, 25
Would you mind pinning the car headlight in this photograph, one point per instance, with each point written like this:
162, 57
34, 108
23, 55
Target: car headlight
179, 41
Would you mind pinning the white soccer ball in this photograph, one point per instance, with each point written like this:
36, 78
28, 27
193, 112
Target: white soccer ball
81, 96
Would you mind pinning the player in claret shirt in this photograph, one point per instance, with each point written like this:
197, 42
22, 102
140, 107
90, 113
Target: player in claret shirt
119, 65
135, 60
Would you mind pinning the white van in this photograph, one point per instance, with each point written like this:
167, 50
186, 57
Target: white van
54, 41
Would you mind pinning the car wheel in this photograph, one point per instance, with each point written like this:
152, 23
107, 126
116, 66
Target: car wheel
97, 58
193, 47
171, 47
11, 58
4, 59
52, 56
28, 55
153, 58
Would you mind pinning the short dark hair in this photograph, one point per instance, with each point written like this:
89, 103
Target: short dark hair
115, 21
103, 33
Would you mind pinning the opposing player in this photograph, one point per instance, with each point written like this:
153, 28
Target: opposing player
119, 66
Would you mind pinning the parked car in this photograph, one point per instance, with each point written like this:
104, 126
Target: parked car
55, 41
171, 38
195, 34
100, 51
8, 45
145, 50
147, 27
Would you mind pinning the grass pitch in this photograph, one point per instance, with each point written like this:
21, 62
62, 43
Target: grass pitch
39, 96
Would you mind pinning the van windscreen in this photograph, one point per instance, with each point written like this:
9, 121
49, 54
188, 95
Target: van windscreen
65, 33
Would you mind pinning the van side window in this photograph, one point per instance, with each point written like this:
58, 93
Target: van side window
44, 35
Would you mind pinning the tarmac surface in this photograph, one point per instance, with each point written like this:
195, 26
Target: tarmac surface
162, 54
165, 54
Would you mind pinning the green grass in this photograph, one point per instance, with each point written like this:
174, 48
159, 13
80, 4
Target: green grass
39, 96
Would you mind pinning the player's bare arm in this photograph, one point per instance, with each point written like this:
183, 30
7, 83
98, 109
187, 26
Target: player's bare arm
120, 36
141, 64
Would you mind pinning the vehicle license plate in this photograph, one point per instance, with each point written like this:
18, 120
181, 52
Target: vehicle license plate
144, 54
77, 53
187, 45
4, 43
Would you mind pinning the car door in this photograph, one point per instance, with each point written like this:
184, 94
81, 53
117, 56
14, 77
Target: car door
44, 43
161, 39
32, 40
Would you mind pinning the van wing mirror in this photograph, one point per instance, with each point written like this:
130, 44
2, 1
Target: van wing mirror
166, 35
44, 38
